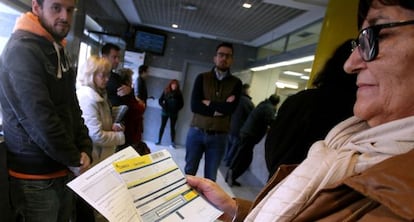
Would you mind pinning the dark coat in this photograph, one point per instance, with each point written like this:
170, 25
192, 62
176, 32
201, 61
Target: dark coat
42, 123
140, 89
301, 120
171, 103
115, 81
259, 120
240, 114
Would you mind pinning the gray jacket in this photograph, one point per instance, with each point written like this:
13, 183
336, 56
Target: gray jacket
42, 123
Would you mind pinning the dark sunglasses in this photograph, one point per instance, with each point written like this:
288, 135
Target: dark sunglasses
367, 41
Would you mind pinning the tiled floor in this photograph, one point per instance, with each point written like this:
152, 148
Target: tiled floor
250, 185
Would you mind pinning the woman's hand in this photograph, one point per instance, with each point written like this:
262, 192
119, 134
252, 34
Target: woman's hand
213, 192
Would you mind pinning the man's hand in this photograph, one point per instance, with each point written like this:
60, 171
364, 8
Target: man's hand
124, 90
85, 162
206, 102
213, 192
218, 113
230, 99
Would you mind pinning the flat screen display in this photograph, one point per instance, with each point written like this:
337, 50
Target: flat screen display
150, 42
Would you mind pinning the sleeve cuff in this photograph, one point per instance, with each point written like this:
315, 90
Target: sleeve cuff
243, 209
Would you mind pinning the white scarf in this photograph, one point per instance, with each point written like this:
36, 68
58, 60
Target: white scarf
349, 148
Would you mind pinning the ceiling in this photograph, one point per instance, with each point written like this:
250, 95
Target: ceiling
227, 20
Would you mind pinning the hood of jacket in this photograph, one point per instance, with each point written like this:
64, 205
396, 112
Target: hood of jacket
30, 22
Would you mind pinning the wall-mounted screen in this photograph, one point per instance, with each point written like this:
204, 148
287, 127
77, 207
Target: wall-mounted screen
150, 42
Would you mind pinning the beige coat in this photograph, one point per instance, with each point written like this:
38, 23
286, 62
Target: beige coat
97, 114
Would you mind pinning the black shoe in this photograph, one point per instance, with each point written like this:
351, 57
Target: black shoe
158, 143
229, 179
235, 183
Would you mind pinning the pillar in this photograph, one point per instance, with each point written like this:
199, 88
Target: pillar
339, 24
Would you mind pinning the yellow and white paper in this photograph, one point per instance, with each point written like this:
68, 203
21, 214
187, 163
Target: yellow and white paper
127, 187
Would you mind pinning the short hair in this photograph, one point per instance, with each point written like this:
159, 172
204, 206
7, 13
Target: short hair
40, 2
364, 6
142, 68
93, 65
332, 75
245, 87
227, 45
106, 49
126, 75
274, 99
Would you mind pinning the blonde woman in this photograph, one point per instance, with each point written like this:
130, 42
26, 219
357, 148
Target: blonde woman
96, 111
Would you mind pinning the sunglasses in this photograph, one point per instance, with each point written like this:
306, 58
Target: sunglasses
367, 42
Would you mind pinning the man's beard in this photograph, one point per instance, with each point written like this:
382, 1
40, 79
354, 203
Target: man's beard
56, 36
222, 69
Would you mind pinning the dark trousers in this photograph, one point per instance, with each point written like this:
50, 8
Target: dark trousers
173, 121
231, 150
244, 155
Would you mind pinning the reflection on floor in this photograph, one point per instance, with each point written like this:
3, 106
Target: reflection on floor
251, 186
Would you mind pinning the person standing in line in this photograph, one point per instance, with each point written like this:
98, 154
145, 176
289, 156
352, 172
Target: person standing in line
133, 119
252, 131
115, 88
237, 119
140, 88
47, 141
96, 110
171, 102
311, 113
214, 97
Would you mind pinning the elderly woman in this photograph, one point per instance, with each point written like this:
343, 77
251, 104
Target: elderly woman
360, 172
96, 111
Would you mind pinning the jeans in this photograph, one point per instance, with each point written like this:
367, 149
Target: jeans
211, 145
42, 200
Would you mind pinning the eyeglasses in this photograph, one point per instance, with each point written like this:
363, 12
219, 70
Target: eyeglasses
367, 41
226, 55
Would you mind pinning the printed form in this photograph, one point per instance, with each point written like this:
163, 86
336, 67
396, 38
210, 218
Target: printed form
127, 188
160, 192
103, 188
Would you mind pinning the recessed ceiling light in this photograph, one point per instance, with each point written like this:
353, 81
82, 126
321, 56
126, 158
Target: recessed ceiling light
247, 5
284, 63
189, 7
283, 84
291, 73
174, 26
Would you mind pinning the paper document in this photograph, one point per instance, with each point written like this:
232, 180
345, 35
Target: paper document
103, 188
160, 192
128, 187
